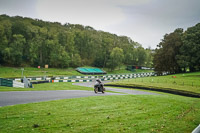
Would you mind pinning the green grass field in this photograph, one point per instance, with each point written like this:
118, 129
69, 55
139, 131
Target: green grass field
130, 113
188, 82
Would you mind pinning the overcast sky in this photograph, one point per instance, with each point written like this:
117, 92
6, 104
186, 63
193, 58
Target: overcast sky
144, 21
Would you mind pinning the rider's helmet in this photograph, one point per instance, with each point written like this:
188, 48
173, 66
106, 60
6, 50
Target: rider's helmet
98, 80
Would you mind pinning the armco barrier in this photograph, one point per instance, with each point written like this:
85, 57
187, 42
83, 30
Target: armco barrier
18, 84
197, 129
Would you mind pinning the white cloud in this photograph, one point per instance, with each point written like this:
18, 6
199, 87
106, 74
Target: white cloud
95, 13
145, 21
130, 2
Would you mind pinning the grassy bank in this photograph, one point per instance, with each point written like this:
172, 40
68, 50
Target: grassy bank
129, 113
187, 82
48, 86
12, 72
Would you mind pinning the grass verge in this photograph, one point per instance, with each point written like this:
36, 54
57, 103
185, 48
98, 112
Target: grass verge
181, 82
12, 72
128, 113
48, 86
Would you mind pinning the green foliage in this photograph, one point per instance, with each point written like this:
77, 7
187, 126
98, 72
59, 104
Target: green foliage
141, 56
190, 51
165, 56
76, 60
25, 41
16, 51
116, 58
179, 51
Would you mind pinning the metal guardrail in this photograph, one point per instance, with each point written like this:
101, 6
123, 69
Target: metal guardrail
197, 129
18, 84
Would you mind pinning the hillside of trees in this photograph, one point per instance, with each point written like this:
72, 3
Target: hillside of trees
179, 51
33, 42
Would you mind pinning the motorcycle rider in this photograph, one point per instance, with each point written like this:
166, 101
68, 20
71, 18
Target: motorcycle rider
99, 84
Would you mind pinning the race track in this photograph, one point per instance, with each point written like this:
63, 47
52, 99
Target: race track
22, 97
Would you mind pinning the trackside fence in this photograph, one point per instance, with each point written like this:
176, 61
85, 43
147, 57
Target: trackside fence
88, 78
10, 83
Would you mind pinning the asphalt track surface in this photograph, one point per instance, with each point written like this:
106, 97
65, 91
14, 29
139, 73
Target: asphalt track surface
23, 97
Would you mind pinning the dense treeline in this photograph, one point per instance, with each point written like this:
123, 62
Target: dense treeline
179, 51
26, 41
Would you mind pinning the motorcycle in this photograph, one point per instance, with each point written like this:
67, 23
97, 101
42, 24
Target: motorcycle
99, 88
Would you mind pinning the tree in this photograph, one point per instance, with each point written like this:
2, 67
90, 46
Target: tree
141, 55
165, 58
5, 37
149, 57
68, 45
190, 50
76, 60
16, 49
116, 58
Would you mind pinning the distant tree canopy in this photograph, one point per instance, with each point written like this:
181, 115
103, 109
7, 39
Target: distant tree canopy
33, 42
179, 51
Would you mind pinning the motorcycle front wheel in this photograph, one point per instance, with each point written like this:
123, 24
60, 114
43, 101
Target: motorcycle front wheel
95, 90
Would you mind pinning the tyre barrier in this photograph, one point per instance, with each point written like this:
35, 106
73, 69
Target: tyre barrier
39, 82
